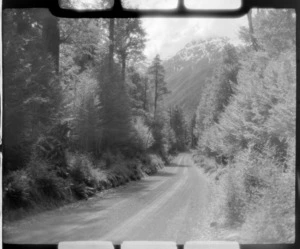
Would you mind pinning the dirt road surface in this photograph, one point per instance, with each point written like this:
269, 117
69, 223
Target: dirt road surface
171, 205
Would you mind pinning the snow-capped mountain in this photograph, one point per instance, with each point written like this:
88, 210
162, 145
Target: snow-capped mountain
194, 52
188, 69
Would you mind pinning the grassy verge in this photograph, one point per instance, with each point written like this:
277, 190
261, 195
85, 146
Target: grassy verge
40, 186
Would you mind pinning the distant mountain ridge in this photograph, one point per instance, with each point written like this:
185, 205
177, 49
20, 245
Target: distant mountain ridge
188, 69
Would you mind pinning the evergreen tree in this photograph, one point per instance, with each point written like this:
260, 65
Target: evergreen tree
115, 110
163, 134
193, 132
139, 92
31, 87
179, 126
157, 74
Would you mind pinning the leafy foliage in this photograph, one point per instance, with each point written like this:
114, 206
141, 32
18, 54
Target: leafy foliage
274, 30
251, 136
143, 134
218, 90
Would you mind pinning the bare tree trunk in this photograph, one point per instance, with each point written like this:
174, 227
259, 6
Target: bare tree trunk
290, 13
251, 30
111, 43
145, 95
156, 92
51, 36
123, 58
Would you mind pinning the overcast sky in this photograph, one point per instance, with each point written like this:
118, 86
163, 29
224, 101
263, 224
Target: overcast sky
166, 36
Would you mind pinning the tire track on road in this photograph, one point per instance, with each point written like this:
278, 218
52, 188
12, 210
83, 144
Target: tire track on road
118, 206
150, 208
77, 222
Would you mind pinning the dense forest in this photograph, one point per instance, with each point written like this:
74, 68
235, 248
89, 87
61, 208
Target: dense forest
245, 129
79, 115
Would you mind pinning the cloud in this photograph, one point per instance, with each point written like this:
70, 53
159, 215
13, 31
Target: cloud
166, 36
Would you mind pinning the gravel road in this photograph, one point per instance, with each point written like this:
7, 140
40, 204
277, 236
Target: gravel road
171, 205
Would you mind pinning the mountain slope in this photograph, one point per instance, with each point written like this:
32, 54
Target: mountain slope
187, 71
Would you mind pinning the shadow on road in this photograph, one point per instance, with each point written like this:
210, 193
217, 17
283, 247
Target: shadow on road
163, 173
92, 211
178, 165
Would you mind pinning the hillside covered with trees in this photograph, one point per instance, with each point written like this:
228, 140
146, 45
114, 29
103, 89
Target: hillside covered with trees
245, 130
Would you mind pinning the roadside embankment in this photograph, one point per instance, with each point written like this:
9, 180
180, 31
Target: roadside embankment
40, 186
247, 204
